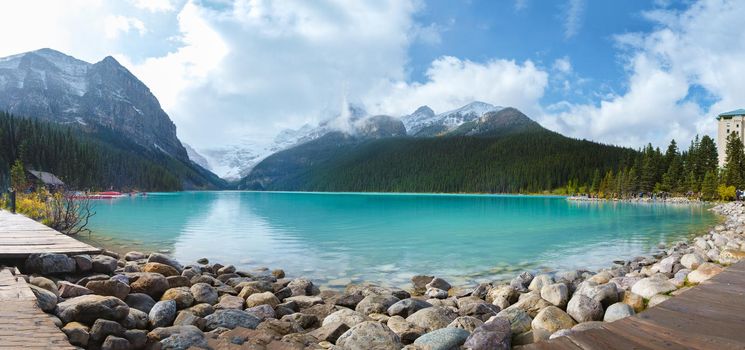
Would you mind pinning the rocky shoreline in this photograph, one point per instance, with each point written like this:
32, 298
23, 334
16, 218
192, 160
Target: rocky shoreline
151, 301
668, 200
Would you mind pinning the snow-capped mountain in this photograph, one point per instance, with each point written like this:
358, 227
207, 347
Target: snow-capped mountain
195, 157
50, 85
424, 121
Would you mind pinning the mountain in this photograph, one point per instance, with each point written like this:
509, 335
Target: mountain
196, 157
103, 99
424, 122
500, 151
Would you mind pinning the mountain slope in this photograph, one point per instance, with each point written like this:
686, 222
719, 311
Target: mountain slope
502, 151
424, 122
102, 99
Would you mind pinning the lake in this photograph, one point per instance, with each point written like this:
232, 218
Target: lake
337, 238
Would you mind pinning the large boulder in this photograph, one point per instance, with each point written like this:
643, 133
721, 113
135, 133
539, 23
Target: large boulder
432, 318
104, 328
443, 339
152, 284
48, 264
704, 272
46, 300
165, 259
692, 261
552, 319
406, 307
112, 288
330, 332
647, 287
77, 333
181, 295
617, 311
162, 314
70, 290
494, 334
231, 318
88, 308
539, 281
407, 331
349, 317
104, 264
44, 283
204, 293
115, 343
420, 283
162, 269
140, 301
520, 321
502, 296
556, 294
583, 308
178, 337
136, 319
369, 335
468, 323
531, 303
376, 304
265, 298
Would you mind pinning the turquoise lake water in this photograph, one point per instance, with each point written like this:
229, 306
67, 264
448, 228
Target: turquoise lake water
336, 238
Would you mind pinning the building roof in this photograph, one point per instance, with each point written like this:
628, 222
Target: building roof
734, 113
46, 178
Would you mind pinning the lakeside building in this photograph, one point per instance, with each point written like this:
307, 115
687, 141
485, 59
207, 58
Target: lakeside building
729, 122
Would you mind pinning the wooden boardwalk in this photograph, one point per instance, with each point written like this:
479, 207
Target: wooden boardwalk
708, 316
21, 236
23, 325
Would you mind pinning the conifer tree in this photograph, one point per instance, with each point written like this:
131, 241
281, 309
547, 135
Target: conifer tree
709, 186
734, 168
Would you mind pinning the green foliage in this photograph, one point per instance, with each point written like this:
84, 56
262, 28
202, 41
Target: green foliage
709, 186
734, 169
90, 161
726, 193
18, 176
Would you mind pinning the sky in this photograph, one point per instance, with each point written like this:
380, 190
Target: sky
620, 72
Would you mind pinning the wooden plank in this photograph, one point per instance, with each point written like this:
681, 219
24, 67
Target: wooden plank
602, 339
21, 237
659, 337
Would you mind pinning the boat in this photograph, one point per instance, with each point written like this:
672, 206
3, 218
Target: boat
99, 195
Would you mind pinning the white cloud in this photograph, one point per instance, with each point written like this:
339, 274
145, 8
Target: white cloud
116, 25
452, 83
154, 5
563, 65
574, 12
685, 50
521, 5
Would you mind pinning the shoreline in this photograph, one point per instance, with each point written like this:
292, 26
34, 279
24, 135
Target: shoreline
203, 303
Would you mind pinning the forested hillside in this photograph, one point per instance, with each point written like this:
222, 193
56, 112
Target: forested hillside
94, 161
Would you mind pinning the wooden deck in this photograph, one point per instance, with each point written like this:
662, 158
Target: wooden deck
21, 236
708, 316
22, 324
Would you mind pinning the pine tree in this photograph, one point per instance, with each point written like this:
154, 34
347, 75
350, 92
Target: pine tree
709, 186
18, 176
734, 169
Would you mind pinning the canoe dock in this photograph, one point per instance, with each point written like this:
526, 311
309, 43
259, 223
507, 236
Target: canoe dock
21, 237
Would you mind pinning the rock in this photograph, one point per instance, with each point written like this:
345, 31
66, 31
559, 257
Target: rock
181, 295
48, 264
45, 299
162, 314
115, 343
521, 282
703, 273
140, 301
443, 339
407, 331
350, 300
654, 300
70, 290
601, 277
605, 294
480, 310
439, 283
137, 338
179, 337
87, 308
233, 302
692, 261
201, 310
77, 333
618, 311
406, 307
104, 264
304, 301
369, 335
502, 296
134, 256
330, 332
375, 304
469, 323
583, 308
494, 334
164, 259
262, 312
226, 269
432, 318
203, 261
349, 317
162, 269
112, 288
539, 281
266, 298
556, 294
230, 319
552, 319
561, 333
136, 319
178, 281
301, 286
647, 287
436, 293
204, 293
520, 321
420, 283
152, 284
104, 328
303, 320
83, 262
531, 303
731, 256
278, 273
44, 283
634, 300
